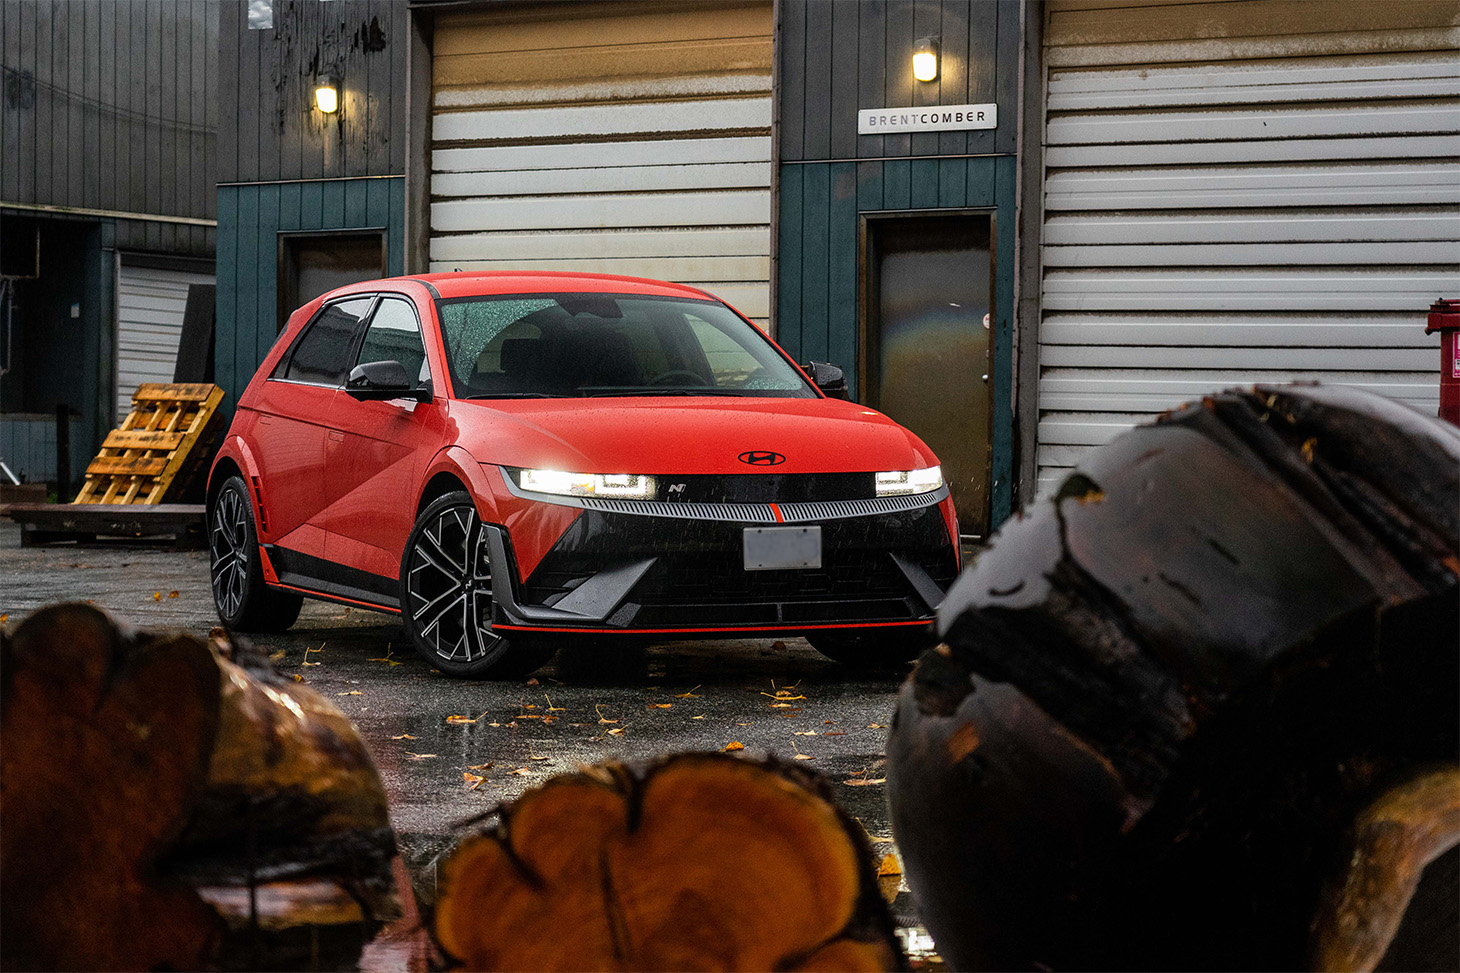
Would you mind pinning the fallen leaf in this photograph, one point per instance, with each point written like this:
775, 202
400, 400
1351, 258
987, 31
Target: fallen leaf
549, 719
876, 726
404, 736
533, 682
529, 706
689, 695
744, 724
298, 677
802, 756
697, 717
835, 733
616, 731
157, 596
864, 782
520, 770
494, 724
4, 618
351, 692
660, 705
804, 733
551, 707
539, 758
829, 722
889, 866
782, 694
475, 780
783, 705
173, 594
419, 756
733, 745
598, 708
276, 656
485, 766
465, 719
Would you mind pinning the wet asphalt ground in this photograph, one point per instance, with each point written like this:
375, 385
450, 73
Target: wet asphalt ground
582, 707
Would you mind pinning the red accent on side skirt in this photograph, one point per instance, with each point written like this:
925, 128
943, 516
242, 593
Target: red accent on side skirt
690, 631
344, 601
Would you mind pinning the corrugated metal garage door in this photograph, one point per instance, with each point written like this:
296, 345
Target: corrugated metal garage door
1240, 192
619, 138
150, 305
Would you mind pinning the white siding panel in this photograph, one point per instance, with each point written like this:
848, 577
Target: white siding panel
657, 168
602, 120
150, 307
590, 155
1226, 207
618, 179
596, 212
552, 244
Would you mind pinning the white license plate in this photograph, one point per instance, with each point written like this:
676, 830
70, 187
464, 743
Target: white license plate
782, 548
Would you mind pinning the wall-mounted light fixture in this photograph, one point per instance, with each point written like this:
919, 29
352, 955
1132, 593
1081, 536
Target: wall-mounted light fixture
925, 59
327, 94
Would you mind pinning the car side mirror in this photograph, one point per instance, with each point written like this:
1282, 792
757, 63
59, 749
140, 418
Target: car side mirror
384, 380
829, 378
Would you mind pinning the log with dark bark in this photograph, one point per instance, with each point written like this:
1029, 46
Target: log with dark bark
171, 803
693, 862
1168, 691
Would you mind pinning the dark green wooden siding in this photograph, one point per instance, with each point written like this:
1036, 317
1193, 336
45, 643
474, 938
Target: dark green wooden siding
838, 58
250, 219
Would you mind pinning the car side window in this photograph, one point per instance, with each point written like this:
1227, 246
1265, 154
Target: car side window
321, 356
395, 335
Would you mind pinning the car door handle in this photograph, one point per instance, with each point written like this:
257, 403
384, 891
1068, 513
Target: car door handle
336, 436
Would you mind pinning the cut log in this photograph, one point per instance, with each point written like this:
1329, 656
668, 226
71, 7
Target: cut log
693, 862
1168, 690
167, 802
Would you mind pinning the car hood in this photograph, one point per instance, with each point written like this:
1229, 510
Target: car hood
663, 435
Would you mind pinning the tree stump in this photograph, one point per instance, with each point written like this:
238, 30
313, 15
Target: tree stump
165, 804
692, 862
1168, 692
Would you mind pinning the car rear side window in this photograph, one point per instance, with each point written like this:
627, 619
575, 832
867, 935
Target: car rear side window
321, 356
395, 335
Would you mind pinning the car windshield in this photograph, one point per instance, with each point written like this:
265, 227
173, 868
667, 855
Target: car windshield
589, 344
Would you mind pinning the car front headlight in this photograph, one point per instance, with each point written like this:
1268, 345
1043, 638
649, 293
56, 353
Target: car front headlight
899, 483
622, 486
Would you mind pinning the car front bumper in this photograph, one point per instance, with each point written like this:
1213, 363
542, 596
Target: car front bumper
665, 568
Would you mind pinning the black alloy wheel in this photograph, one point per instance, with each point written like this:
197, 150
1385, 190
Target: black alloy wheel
446, 596
245, 603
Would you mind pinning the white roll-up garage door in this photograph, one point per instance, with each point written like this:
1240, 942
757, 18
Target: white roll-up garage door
620, 138
150, 305
1242, 192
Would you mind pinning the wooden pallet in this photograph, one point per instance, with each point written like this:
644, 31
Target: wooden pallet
166, 434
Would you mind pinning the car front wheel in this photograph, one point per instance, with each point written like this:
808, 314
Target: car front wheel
245, 603
446, 578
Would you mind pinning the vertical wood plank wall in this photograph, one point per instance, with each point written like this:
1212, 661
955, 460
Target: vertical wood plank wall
113, 106
284, 166
837, 58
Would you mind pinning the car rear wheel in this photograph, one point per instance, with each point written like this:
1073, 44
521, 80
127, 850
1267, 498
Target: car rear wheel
245, 603
878, 649
446, 579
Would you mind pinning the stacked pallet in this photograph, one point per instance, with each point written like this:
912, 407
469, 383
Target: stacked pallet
155, 453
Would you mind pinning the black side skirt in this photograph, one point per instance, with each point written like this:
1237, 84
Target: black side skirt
334, 580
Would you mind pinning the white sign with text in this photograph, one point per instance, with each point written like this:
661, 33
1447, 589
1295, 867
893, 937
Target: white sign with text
939, 118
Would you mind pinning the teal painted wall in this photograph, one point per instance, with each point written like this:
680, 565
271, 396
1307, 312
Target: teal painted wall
818, 290
250, 219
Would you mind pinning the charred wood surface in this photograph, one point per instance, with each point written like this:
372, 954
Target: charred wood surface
693, 862
1168, 690
172, 803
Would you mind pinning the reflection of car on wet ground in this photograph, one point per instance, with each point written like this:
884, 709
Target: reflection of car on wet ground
499, 456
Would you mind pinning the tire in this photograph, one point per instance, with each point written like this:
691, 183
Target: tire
244, 602
446, 577
873, 650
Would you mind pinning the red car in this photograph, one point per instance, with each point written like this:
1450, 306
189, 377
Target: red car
501, 457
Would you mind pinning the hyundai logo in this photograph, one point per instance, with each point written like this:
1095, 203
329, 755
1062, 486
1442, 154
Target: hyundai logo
760, 457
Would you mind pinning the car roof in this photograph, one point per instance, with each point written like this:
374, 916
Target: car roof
471, 283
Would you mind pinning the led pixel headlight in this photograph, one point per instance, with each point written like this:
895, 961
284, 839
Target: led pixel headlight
899, 483
622, 486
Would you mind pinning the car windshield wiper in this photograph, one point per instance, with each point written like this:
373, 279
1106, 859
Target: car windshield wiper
513, 395
669, 391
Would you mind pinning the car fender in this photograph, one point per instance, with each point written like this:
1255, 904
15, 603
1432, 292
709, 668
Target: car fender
461, 464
